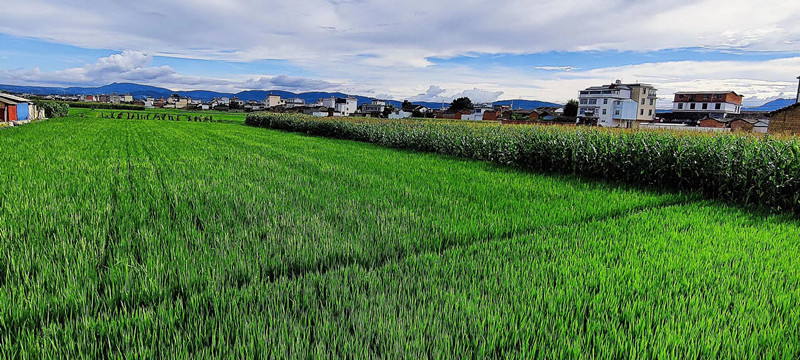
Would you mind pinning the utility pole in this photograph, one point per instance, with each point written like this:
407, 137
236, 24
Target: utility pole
797, 99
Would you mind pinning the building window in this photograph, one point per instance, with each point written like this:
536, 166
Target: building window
583, 101
605, 101
604, 111
644, 91
692, 106
582, 111
705, 106
650, 112
641, 112
680, 106
642, 101
652, 101
592, 101
718, 106
616, 112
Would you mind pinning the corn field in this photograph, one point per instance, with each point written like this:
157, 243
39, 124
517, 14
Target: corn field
162, 239
763, 171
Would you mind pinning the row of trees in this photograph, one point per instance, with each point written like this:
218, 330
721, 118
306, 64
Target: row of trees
464, 103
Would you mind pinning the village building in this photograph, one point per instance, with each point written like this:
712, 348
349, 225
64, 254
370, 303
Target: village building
296, 102
273, 101
478, 112
714, 104
617, 105
374, 108
400, 114
8, 110
785, 121
16, 109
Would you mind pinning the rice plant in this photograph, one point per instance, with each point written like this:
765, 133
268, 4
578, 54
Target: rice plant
159, 239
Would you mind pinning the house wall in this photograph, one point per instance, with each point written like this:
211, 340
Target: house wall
602, 105
786, 121
711, 107
273, 100
22, 111
400, 115
645, 101
490, 115
741, 125
711, 123
729, 97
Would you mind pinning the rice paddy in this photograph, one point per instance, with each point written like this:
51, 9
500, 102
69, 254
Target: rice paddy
158, 239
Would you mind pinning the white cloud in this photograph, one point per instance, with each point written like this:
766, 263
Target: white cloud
380, 47
433, 94
133, 66
479, 96
408, 33
556, 68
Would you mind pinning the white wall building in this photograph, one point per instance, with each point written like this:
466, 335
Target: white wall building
477, 113
346, 106
290, 103
400, 114
617, 105
376, 106
273, 100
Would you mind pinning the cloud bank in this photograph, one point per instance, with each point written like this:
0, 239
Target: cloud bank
401, 48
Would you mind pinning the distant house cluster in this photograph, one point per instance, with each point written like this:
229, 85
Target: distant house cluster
634, 106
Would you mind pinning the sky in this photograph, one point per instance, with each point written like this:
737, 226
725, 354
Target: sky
417, 50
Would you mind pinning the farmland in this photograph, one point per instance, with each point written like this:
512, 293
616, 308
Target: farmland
152, 238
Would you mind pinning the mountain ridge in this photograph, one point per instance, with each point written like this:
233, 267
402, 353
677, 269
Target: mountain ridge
140, 91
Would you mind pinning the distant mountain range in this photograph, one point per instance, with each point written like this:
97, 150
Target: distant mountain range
772, 105
141, 91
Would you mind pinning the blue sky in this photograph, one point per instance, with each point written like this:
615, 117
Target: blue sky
418, 50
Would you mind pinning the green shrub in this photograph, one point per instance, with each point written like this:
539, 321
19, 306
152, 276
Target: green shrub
53, 109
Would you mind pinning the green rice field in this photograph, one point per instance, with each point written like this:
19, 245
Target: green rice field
163, 239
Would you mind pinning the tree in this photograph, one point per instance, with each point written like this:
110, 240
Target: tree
571, 109
388, 110
407, 104
462, 103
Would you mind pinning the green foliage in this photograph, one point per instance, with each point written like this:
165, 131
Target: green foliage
745, 169
462, 103
163, 239
53, 109
571, 109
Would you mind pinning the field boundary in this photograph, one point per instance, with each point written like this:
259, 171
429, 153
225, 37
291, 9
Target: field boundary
759, 171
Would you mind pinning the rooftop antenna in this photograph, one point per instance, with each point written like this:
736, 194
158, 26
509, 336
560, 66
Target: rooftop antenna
797, 99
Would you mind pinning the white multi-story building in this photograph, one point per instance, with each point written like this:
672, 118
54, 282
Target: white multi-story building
289, 103
376, 106
714, 104
273, 100
618, 104
346, 106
